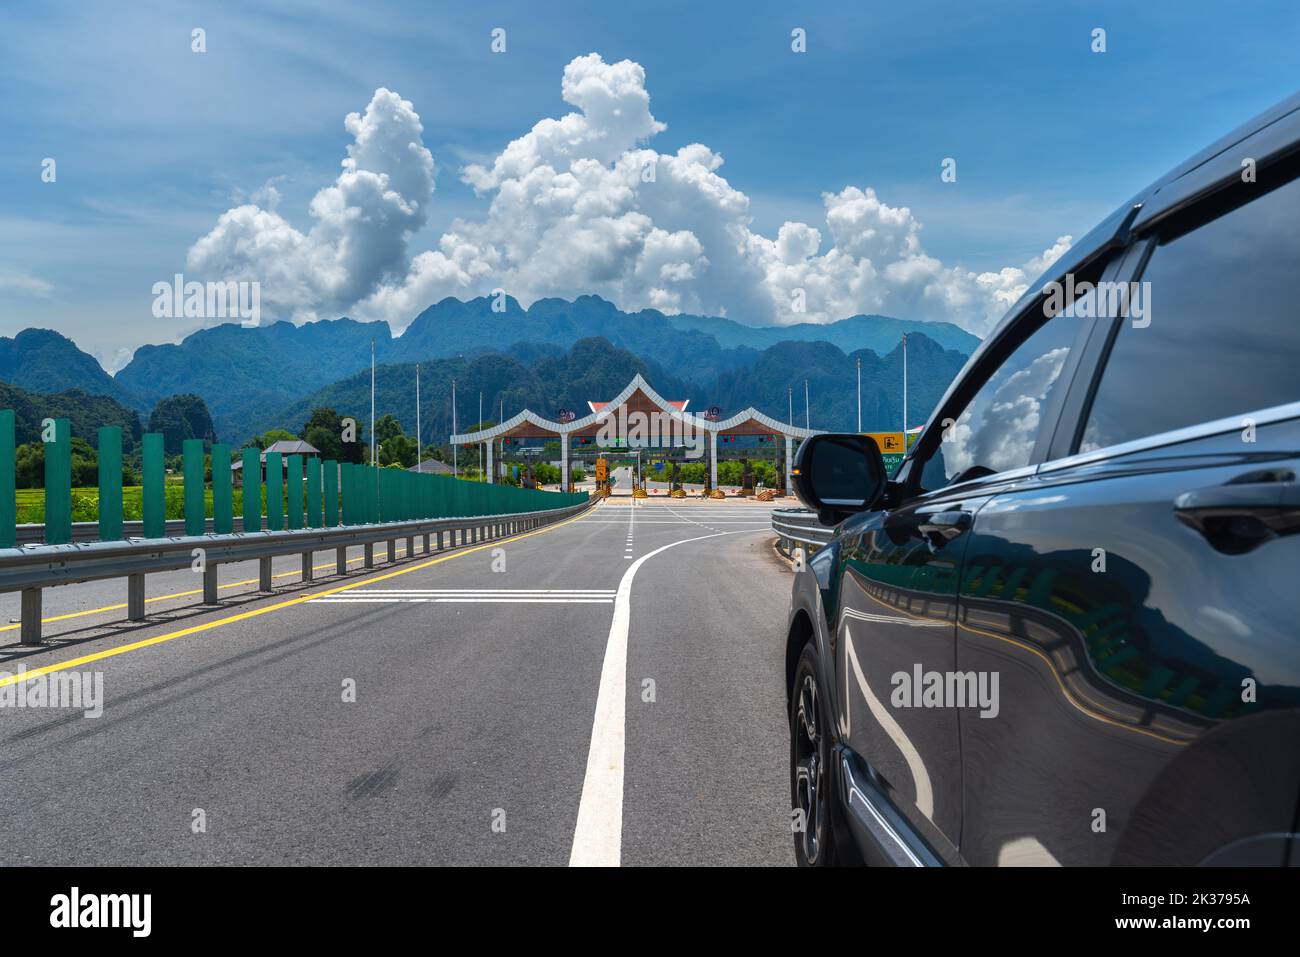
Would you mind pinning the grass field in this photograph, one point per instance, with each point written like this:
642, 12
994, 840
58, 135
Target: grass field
85, 503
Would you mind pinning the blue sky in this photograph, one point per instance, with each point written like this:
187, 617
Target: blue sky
154, 143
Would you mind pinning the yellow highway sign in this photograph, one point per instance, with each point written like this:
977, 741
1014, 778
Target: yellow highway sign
889, 442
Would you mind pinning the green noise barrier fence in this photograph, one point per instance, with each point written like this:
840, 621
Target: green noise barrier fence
291, 492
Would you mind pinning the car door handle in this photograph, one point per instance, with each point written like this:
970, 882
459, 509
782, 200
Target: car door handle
944, 526
1240, 498
1243, 513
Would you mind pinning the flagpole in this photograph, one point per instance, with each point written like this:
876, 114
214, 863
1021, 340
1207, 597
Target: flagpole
454, 471
905, 392
859, 393
374, 446
417, 417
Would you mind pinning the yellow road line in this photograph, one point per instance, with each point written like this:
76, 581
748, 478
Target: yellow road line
298, 600
180, 594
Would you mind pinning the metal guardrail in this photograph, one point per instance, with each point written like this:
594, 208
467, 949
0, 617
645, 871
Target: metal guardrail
800, 526
31, 568
34, 534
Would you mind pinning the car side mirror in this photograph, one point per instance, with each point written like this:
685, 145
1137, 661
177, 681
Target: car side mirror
836, 475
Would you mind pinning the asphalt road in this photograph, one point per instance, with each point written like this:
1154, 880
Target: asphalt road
608, 690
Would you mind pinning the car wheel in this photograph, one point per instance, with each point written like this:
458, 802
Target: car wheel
810, 776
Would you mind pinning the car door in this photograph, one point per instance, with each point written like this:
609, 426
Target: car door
901, 706
1138, 596
897, 608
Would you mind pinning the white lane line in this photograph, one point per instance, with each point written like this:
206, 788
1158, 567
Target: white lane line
686, 521
598, 835
706, 524
728, 510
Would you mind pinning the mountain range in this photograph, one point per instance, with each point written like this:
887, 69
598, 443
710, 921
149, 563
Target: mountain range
44, 361
257, 378
542, 379
85, 413
547, 381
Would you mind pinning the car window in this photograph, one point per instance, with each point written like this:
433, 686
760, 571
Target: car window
1221, 334
997, 430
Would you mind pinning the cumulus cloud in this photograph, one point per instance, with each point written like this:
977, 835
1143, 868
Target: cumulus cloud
362, 222
583, 204
999, 431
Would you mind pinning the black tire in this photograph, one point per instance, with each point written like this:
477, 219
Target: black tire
810, 767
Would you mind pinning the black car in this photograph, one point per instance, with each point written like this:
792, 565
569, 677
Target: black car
1067, 630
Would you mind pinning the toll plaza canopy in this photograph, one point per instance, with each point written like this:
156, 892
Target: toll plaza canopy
638, 417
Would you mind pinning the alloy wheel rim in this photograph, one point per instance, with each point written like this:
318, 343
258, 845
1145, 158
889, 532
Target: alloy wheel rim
808, 769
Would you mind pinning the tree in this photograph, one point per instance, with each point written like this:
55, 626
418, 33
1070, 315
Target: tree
29, 465
395, 447
324, 429
692, 473
181, 417
398, 450
387, 428
85, 464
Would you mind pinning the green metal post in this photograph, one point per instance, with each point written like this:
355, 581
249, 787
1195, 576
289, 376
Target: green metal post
252, 478
8, 492
330, 493
192, 451
293, 478
58, 485
274, 492
223, 496
153, 494
313, 466
110, 483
